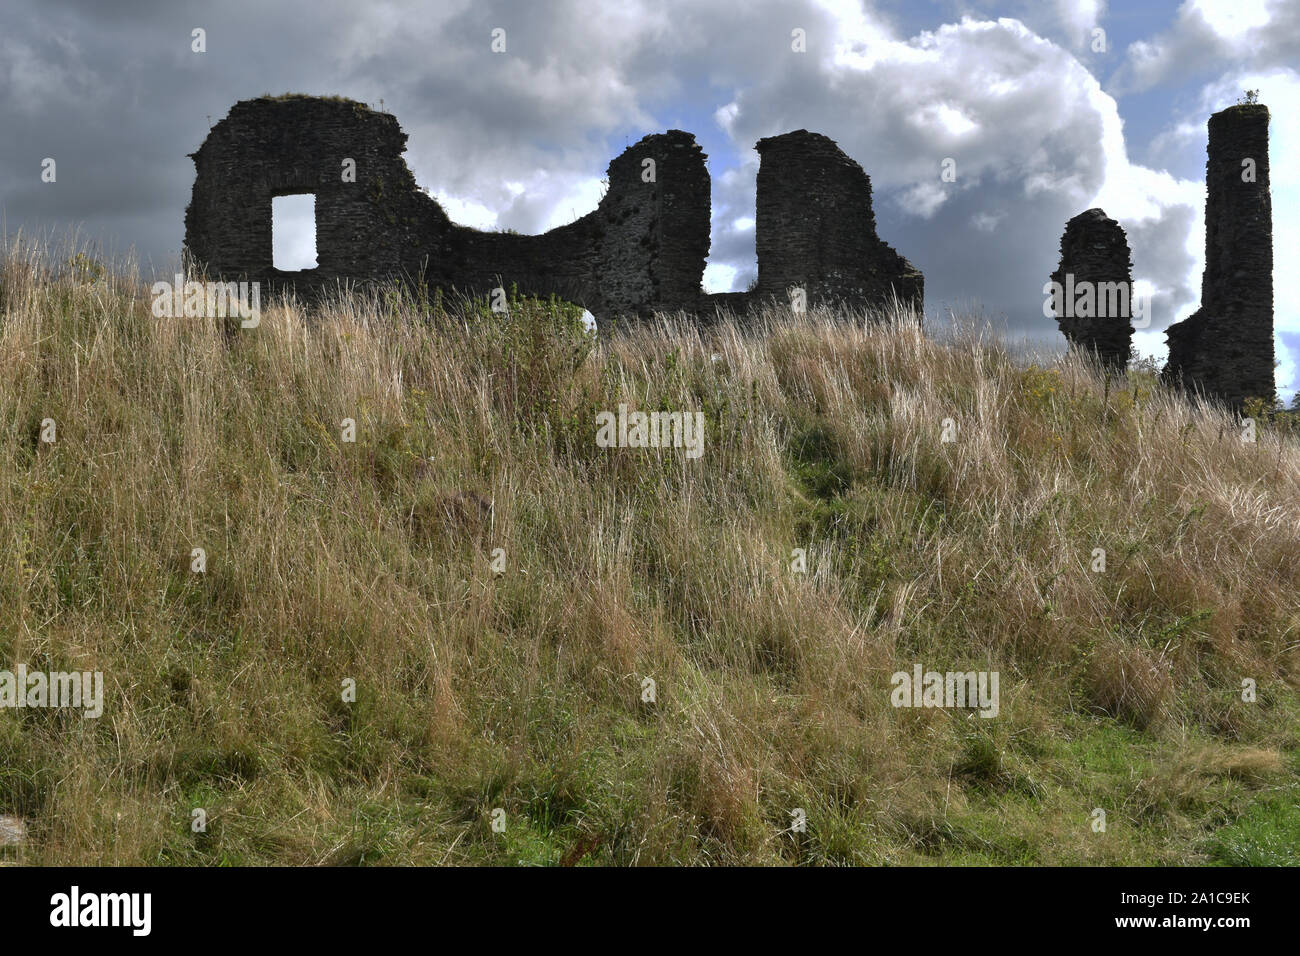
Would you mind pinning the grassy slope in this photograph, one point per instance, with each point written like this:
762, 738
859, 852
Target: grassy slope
329, 560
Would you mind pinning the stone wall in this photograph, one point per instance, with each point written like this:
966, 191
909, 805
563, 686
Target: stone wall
642, 250
815, 227
1225, 348
1095, 252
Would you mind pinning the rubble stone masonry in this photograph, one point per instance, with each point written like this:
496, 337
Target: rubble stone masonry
642, 250
1094, 250
1225, 348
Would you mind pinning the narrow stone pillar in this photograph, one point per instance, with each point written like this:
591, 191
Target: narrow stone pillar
1225, 348
1094, 295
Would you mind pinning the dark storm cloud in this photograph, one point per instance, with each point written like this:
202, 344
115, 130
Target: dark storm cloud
114, 93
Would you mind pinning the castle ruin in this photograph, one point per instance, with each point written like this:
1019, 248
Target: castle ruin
1225, 348
641, 251
1095, 260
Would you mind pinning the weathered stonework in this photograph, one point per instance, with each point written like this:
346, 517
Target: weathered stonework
641, 251
1094, 250
1225, 348
815, 227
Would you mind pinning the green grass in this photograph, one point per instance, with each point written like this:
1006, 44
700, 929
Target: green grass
1267, 834
375, 561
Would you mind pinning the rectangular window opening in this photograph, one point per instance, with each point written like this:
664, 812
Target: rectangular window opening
293, 232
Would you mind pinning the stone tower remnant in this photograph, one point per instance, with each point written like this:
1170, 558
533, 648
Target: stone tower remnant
815, 227
1095, 282
641, 251
1225, 348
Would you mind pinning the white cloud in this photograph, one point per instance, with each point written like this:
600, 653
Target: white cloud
465, 212
719, 277
1208, 36
1035, 140
1067, 22
924, 199
1233, 20
946, 120
724, 116
580, 197
1078, 18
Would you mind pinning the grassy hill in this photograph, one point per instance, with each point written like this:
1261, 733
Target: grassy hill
522, 687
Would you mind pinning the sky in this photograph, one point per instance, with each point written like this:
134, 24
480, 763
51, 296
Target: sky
1042, 115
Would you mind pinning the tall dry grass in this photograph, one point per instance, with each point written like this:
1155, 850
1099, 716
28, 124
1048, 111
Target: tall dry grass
372, 561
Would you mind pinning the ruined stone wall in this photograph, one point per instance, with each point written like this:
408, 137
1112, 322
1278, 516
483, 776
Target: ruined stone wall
642, 250
1226, 347
274, 147
1094, 250
815, 227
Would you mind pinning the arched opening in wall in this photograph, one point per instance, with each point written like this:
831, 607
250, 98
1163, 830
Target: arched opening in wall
293, 232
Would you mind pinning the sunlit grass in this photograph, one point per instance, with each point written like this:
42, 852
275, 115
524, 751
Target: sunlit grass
372, 561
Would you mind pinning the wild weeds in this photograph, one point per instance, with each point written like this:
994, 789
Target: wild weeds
500, 589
